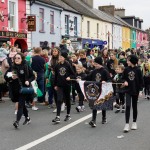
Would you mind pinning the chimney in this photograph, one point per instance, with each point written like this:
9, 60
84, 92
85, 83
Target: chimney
120, 12
140, 23
109, 9
90, 3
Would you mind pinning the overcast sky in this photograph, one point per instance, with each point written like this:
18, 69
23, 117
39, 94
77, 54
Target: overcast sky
138, 8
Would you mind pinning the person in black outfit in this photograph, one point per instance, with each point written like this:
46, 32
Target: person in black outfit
22, 75
62, 85
99, 74
134, 83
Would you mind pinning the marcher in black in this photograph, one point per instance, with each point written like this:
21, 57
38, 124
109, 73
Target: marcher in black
63, 73
134, 83
21, 74
99, 74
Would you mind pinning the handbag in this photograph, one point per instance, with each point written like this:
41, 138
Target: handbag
27, 90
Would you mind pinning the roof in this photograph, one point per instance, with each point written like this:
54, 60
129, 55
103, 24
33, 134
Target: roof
60, 4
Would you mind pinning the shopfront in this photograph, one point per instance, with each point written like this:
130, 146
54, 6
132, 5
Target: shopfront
93, 43
14, 38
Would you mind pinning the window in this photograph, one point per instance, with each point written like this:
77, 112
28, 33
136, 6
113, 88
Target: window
41, 21
97, 30
75, 26
53, 44
51, 21
12, 15
88, 28
66, 24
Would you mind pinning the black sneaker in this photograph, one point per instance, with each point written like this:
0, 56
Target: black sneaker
104, 120
92, 123
27, 121
16, 124
67, 118
117, 111
56, 120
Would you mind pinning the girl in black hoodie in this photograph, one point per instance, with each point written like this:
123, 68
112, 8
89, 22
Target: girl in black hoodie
21, 72
134, 83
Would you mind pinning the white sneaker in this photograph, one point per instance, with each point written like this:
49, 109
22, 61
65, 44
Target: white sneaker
16, 112
63, 107
55, 110
34, 108
134, 126
126, 128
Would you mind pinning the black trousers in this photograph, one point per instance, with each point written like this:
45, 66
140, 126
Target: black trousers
21, 108
129, 99
94, 114
120, 98
63, 93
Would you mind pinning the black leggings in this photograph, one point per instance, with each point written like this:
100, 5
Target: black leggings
94, 114
120, 98
22, 108
63, 93
134, 99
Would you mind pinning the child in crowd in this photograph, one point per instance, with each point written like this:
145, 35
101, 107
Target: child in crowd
80, 74
120, 93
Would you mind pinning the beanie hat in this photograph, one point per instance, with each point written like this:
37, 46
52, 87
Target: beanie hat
99, 60
133, 59
64, 54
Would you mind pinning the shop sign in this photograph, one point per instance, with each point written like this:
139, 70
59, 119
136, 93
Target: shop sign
31, 23
73, 39
13, 34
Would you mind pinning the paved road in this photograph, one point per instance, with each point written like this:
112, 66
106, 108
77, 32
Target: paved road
76, 134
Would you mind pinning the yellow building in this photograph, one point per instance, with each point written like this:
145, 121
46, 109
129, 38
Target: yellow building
126, 41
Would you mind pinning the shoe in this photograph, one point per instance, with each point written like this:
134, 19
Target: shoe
56, 120
67, 118
50, 106
92, 123
148, 97
16, 124
34, 108
78, 108
55, 110
126, 128
117, 111
134, 126
16, 112
27, 121
63, 107
123, 109
82, 108
145, 97
104, 120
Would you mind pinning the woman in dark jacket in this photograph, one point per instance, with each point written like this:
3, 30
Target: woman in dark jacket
22, 75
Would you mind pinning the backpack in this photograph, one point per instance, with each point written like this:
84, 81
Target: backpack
2, 80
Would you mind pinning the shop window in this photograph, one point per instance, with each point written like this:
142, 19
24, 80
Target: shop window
13, 13
41, 21
51, 21
66, 24
75, 26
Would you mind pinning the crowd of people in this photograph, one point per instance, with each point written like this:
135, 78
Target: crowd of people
58, 70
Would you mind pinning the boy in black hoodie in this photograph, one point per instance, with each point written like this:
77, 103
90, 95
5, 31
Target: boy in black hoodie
134, 83
63, 73
99, 74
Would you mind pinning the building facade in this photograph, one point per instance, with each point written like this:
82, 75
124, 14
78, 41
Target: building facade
13, 27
